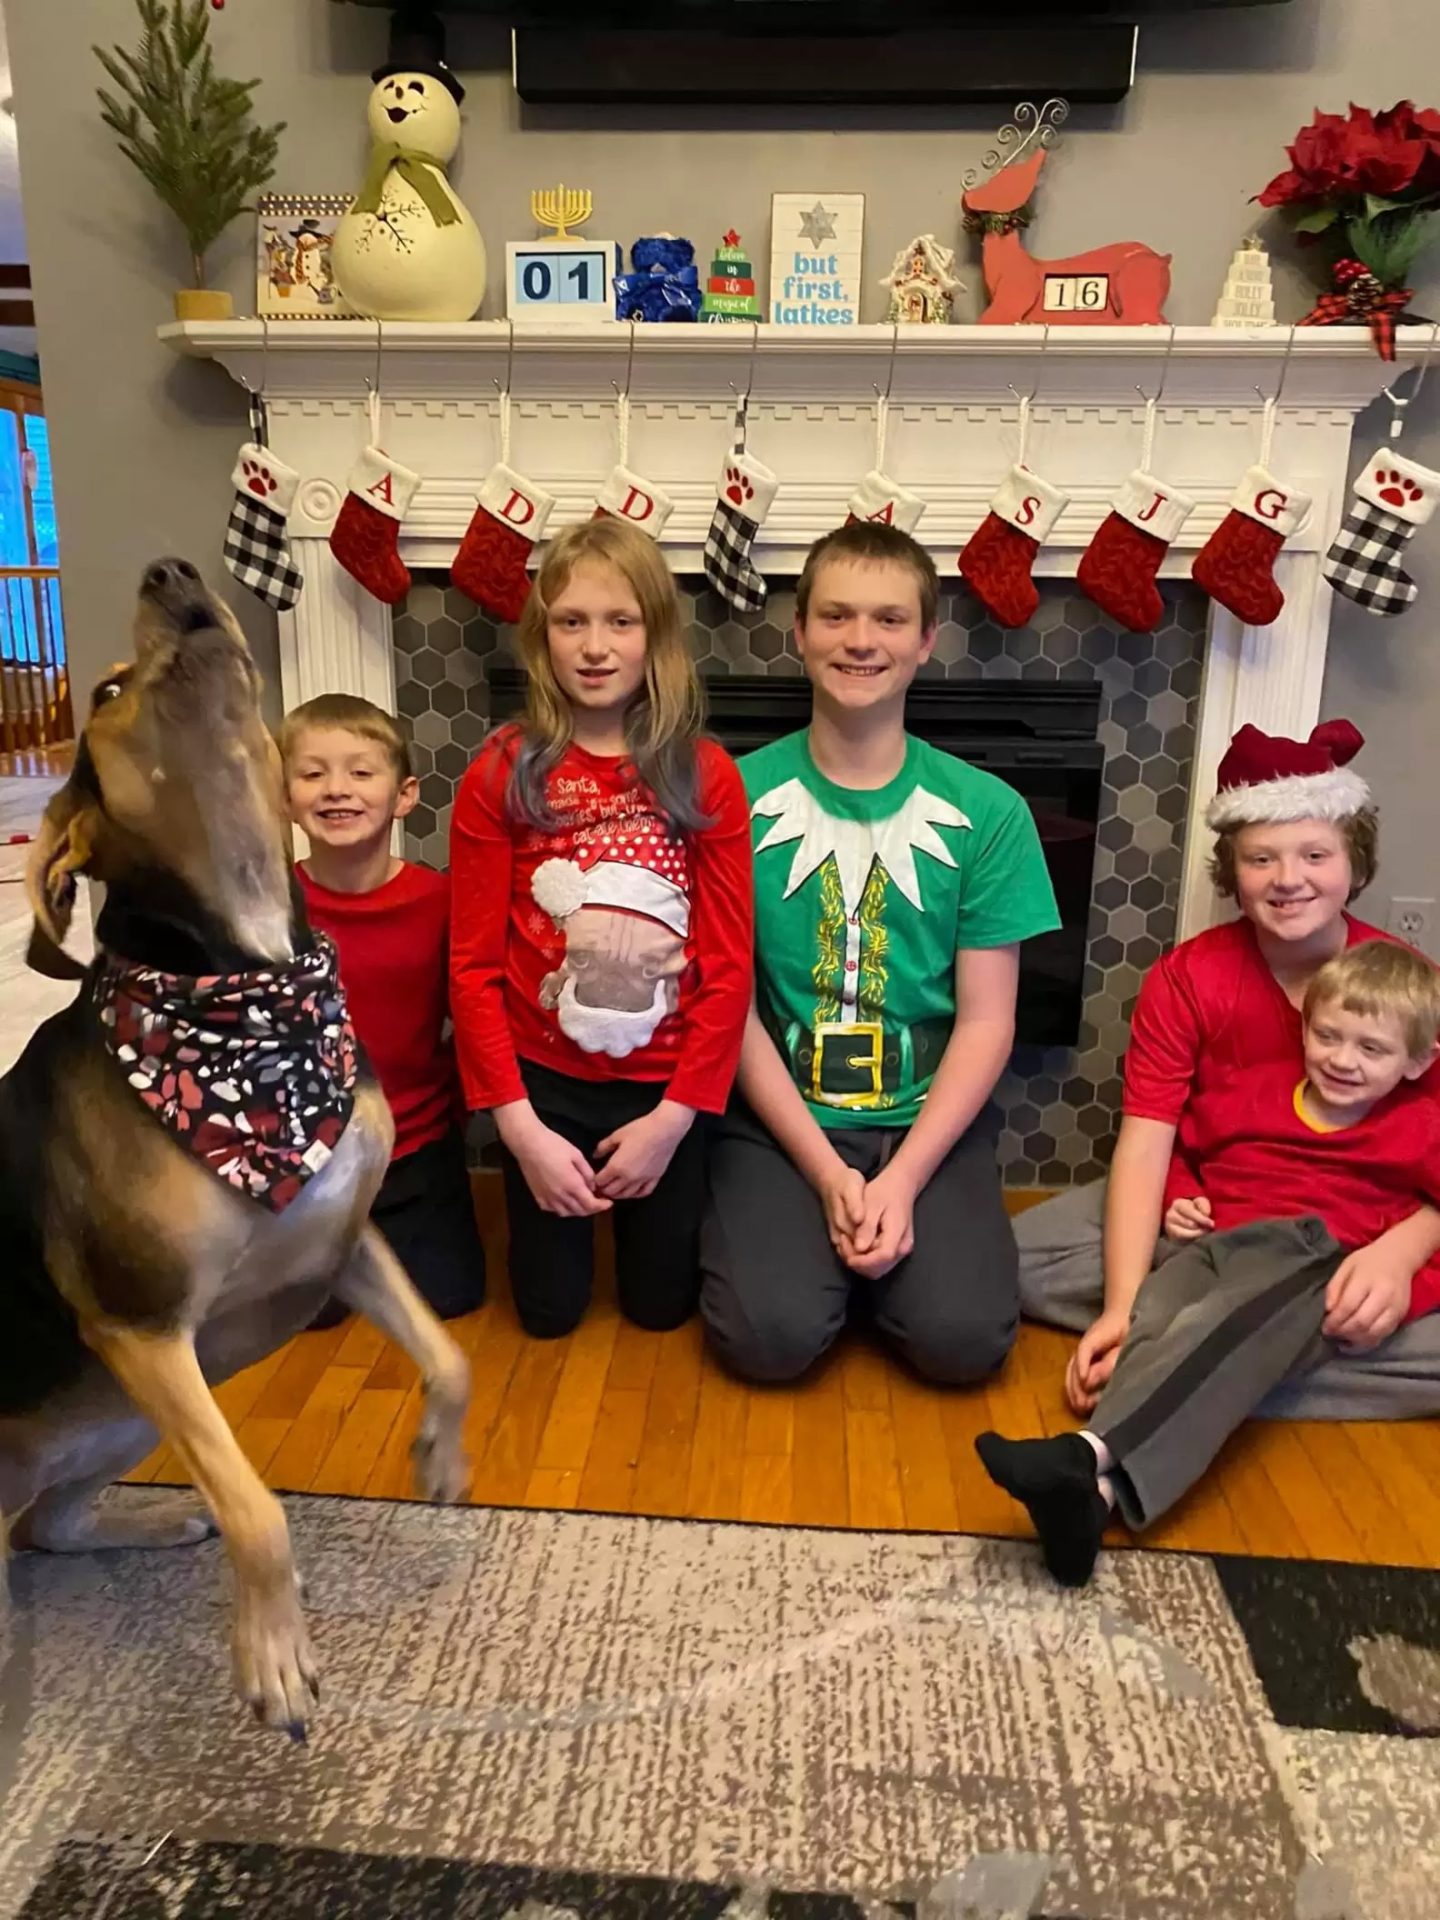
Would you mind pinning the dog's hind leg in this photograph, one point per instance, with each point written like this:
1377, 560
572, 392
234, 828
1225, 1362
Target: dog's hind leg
374, 1283
274, 1668
63, 1517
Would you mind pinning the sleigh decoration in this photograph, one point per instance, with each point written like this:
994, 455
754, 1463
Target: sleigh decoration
1120, 285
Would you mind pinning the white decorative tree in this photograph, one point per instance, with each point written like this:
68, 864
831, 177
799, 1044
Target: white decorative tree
1248, 299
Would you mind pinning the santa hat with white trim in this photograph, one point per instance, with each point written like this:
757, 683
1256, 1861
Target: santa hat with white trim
562, 887
1266, 779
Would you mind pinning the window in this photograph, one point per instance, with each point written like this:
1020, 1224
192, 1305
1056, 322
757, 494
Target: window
34, 681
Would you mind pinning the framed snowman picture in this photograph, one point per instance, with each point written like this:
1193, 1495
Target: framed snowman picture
294, 279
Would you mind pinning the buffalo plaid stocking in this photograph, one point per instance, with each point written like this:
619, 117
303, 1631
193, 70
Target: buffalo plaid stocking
1393, 496
256, 549
745, 493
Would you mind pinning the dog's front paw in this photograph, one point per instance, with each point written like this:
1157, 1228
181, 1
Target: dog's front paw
442, 1471
274, 1665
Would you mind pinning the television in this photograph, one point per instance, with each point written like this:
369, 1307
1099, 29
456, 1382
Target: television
899, 54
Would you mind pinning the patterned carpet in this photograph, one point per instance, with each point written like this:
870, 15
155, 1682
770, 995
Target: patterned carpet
532, 1712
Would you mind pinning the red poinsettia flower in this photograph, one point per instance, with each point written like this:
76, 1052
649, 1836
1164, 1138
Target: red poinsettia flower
1394, 154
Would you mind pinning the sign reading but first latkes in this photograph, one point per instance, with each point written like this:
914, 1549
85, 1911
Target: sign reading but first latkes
815, 249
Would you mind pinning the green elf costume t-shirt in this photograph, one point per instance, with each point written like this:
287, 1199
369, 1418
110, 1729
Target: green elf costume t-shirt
862, 901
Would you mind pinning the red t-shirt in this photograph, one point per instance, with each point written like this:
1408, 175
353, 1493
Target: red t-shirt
608, 948
1207, 1010
1257, 1158
393, 944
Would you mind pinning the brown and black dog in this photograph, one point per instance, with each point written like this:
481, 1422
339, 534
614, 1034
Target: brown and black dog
132, 1275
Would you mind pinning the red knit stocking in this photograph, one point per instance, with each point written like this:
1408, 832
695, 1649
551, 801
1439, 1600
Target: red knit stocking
1119, 566
1000, 553
1236, 566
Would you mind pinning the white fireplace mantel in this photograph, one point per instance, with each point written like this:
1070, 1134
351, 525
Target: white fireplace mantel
952, 433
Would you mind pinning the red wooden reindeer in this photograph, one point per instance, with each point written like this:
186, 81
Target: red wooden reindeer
1120, 285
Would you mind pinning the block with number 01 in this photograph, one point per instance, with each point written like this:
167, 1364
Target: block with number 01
562, 282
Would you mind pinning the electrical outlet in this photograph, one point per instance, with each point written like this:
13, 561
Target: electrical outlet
1413, 919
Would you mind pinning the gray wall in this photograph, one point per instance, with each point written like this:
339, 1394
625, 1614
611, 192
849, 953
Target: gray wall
144, 443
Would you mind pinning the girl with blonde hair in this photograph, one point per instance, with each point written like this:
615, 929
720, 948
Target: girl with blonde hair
601, 934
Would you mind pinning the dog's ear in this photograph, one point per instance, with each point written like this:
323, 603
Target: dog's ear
62, 850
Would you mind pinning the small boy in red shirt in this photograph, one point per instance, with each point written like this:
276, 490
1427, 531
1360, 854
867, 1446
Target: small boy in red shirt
1288, 1180
347, 780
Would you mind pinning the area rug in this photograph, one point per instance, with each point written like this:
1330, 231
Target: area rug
544, 1713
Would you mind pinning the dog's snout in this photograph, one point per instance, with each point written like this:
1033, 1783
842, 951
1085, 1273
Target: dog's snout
165, 577
174, 587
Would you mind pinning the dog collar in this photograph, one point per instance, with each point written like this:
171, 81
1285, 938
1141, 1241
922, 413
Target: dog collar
253, 1073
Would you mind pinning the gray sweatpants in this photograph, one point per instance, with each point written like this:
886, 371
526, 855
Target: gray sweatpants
775, 1294
1062, 1285
1215, 1328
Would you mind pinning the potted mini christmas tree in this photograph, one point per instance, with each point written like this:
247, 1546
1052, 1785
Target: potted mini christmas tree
189, 132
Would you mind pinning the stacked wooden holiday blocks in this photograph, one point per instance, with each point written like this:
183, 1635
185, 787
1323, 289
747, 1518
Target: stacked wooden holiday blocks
730, 290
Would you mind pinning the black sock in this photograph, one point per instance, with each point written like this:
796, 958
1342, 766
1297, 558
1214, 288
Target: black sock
1055, 1480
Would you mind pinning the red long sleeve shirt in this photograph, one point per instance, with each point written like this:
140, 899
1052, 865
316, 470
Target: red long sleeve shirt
608, 948
393, 946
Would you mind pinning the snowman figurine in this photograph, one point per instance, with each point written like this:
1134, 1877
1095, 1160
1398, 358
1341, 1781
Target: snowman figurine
407, 249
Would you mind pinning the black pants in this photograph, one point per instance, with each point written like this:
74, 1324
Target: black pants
426, 1210
552, 1257
776, 1293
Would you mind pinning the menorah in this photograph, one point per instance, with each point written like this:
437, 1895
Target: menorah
561, 208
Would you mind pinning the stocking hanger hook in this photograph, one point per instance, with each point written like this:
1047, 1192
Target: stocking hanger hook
629, 362
372, 380
1164, 375
1400, 402
890, 364
750, 368
509, 361
245, 381
1273, 399
1023, 400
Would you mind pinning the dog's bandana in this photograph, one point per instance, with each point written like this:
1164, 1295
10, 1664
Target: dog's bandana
253, 1073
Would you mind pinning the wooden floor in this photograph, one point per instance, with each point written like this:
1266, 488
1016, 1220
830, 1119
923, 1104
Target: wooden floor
618, 1420
632, 1422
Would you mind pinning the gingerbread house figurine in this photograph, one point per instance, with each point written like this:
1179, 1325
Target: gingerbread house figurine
921, 283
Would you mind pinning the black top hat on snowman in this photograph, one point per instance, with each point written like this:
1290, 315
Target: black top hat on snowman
417, 45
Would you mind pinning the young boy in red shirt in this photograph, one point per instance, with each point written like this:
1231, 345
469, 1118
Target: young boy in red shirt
347, 780
1286, 1181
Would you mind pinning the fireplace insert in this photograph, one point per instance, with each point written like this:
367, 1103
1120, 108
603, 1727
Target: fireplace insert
1038, 737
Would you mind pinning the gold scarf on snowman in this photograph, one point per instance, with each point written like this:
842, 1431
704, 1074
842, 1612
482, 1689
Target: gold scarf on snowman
414, 170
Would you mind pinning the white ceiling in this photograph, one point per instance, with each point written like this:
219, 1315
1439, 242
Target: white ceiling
12, 219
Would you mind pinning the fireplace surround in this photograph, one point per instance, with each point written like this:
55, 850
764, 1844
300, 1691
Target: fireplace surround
952, 434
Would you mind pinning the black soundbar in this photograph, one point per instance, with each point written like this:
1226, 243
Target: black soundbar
933, 66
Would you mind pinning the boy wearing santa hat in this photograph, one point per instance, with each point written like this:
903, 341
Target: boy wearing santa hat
1296, 841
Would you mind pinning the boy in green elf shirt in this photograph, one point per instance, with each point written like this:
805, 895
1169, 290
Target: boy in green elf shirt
893, 886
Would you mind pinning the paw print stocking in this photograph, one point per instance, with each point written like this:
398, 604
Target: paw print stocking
1393, 496
256, 549
744, 495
